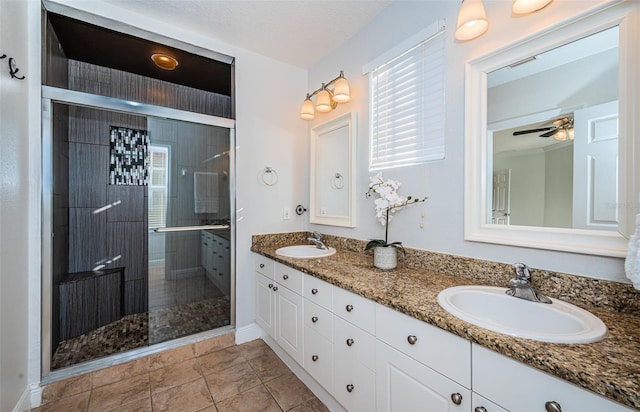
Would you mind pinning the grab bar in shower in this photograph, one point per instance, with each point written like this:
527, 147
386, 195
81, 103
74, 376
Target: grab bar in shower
188, 228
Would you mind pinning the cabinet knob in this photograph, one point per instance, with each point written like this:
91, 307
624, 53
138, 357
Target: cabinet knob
456, 398
552, 406
349, 308
314, 291
350, 342
412, 339
285, 277
275, 288
261, 265
350, 388
480, 409
270, 285
314, 319
315, 358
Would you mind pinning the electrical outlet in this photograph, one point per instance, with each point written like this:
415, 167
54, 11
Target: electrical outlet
286, 213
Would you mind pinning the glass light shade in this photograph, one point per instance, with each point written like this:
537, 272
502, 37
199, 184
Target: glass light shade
341, 90
571, 134
323, 101
472, 20
561, 135
528, 6
307, 112
164, 61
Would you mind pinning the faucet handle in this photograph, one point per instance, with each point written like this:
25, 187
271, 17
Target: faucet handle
317, 235
522, 271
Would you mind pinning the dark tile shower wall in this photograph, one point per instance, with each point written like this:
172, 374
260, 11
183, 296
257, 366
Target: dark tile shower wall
107, 222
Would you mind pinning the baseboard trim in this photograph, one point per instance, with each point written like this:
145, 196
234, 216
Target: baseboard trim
30, 398
248, 333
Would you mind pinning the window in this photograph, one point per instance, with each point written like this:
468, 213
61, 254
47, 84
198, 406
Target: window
158, 186
407, 105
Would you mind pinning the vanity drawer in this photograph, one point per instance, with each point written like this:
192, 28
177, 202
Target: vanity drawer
440, 350
354, 343
264, 265
319, 319
318, 291
289, 278
355, 309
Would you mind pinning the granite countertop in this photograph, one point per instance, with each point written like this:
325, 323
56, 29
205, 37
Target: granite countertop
610, 367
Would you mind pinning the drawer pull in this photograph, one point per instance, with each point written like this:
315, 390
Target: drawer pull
314, 291
315, 358
285, 277
275, 288
261, 265
314, 319
480, 409
350, 342
270, 285
552, 406
350, 388
412, 339
349, 308
456, 398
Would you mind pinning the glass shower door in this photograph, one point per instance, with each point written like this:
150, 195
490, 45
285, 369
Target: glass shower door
189, 231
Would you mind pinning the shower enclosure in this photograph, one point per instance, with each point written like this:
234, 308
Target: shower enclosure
138, 225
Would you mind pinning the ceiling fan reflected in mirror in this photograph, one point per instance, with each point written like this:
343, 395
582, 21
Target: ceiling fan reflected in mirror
561, 129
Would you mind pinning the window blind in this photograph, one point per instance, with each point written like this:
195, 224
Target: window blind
158, 186
407, 106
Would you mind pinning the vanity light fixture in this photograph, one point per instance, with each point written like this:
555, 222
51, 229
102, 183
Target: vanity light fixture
164, 61
528, 6
326, 99
472, 20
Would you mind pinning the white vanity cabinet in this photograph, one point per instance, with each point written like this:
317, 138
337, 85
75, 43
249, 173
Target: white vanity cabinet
419, 366
279, 305
354, 351
215, 259
518, 387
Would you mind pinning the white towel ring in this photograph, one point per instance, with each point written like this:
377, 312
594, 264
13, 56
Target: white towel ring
337, 181
269, 176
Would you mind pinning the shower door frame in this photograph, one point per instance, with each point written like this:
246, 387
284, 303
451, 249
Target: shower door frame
52, 95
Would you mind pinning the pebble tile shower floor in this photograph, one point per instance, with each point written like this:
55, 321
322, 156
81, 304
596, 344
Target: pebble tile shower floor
208, 376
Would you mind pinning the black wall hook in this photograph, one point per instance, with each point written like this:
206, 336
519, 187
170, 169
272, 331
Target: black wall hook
13, 68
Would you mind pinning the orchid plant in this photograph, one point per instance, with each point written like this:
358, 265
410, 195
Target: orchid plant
387, 205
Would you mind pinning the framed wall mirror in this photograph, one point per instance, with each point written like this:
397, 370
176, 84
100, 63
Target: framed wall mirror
552, 138
332, 174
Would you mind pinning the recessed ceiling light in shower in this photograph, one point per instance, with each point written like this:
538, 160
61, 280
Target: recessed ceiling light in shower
164, 61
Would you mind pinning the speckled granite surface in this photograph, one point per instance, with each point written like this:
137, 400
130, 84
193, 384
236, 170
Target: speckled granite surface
610, 367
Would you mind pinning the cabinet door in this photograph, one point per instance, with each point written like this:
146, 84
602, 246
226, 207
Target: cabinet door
354, 385
404, 384
265, 304
289, 323
480, 404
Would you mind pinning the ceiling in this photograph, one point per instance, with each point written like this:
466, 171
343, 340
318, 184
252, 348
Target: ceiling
298, 32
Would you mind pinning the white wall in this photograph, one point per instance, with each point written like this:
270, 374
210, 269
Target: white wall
19, 203
442, 180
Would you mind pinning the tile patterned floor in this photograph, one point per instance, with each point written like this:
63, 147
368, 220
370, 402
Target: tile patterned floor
209, 376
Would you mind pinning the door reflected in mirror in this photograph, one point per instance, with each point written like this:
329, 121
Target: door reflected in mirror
552, 137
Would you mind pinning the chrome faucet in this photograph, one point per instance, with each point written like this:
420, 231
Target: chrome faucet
317, 240
521, 287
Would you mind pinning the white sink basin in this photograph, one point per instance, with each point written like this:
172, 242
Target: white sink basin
490, 308
304, 251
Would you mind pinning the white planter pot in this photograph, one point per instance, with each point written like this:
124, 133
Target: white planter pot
385, 258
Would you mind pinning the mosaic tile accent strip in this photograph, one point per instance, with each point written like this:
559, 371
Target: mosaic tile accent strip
129, 163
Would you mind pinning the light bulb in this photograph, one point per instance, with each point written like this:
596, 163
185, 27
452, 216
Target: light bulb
560, 135
307, 112
341, 90
528, 6
323, 102
472, 20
